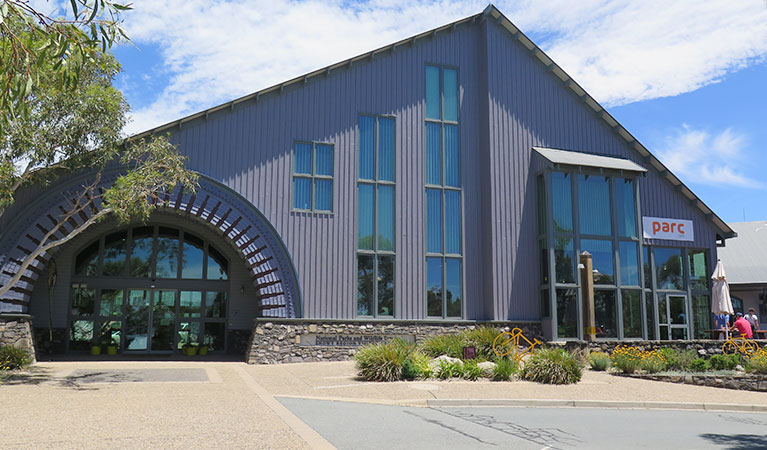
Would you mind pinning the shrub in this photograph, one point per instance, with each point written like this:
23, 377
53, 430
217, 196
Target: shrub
471, 370
13, 358
385, 361
724, 362
552, 366
447, 369
482, 339
627, 359
757, 363
678, 359
698, 365
504, 369
445, 344
417, 366
653, 362
599, 361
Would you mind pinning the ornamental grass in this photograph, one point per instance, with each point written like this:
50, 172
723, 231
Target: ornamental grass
757, 363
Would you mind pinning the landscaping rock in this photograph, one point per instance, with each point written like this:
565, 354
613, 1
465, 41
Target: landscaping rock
487, 368
434, 363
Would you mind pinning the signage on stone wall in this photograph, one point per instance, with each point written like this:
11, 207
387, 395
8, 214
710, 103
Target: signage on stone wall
350, 340
670, 229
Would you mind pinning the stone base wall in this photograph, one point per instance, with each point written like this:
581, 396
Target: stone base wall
704, 347
741, 382
16, 330
274, 341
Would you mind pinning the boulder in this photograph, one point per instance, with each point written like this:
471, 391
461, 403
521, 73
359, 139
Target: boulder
487, 368
434, 363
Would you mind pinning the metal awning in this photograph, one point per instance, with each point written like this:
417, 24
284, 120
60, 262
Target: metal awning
580, 159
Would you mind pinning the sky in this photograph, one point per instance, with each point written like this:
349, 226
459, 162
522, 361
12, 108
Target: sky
687, 78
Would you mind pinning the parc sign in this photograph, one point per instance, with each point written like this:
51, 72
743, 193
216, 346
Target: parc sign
671, 229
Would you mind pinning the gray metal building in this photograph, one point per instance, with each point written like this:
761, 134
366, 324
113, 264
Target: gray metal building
454, 176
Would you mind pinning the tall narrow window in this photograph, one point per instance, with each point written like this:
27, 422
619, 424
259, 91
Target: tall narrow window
313, 177
375, 232
444, 215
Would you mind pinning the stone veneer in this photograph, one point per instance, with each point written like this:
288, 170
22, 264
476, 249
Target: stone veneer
704, 347
16, 330
745, 382
274, 340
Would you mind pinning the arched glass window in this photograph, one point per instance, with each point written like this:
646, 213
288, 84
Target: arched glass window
152, 252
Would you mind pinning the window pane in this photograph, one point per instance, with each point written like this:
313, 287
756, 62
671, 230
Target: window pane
434, 220
141, 252
83, 302
452, 158
453, 222
432, 93
602, 258
188, 333
323, 159
453, 293
629, 261
366, 213
545, 304
189, 305
386, 218
323, 195
567, 313
115, 253
137, 320
214, 336
544, 261
594, 204
302, 193
386, 285
218, 268
541, 203
163, 320
604, 314
701, 315
698, 276
192, 258
650, 311
365, 285
624, 199
111, 302
108, 333
434, 287
167, 253
303, 158
451, 94
564, 260
632, 314
385, 149
367, 147
433, 154
562, 200
215, 304
678, 309
668, 268
646, 267
87, 261
81, 335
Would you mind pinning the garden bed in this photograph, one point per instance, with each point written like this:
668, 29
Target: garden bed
727, 380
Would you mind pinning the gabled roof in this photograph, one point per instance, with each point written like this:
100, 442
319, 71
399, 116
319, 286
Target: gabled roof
490, 13
744, 257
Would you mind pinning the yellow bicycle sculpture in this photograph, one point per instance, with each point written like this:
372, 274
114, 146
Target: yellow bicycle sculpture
732, 346
508, 343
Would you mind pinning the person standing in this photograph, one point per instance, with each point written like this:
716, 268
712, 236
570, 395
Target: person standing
753, 319
722, 322
742, 325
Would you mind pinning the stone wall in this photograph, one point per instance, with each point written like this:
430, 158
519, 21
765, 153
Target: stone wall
744, 382
16, 330
704, 347
299, 340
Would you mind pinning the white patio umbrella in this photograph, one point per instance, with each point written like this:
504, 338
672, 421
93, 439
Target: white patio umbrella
720, 293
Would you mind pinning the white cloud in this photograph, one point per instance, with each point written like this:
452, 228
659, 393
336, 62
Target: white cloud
705, 158
621, 51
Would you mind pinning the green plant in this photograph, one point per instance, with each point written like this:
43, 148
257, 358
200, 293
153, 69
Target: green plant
678, 359
552, 366
627, 359
471, 370
757, 363
600, 361
13, 358
698, 365
504, 369
383, 362
416, 365
653, 362
482, 339
724, 362
448, 369
445, 344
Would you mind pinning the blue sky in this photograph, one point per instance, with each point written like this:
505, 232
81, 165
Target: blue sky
687, 78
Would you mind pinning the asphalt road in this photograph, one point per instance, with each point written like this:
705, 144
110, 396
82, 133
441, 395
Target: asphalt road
357, 426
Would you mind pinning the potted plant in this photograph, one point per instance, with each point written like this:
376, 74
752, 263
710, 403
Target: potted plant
95, 350
203, 350
190, 349
106, 339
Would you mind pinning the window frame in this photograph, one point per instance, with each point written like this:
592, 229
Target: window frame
312, 177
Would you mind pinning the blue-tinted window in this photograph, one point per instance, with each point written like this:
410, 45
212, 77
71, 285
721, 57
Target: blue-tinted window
434, 287
367, 147
434, 220
386, 217
385, 149
302, 193
594, 204
324, 160
385, 285
562, 200
365, 285
192, 257
433, 153
668, 268
303, 158
366, 209
452, 161
453, 295
313, 176
626, 208
433, 103
452, 222
323, 194
564, 260
602, 258
450, 93
629, 263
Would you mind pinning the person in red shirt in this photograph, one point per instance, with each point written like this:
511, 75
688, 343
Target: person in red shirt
742, 325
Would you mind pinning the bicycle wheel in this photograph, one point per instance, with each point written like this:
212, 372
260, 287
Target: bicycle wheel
749, 347
501, 343
729, 348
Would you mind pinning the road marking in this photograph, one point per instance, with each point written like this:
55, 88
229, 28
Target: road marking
304, 431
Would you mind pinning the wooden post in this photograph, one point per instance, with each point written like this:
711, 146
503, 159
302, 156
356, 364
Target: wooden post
587, 297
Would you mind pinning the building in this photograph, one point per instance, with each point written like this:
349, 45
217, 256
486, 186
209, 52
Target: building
447, 179
746, 267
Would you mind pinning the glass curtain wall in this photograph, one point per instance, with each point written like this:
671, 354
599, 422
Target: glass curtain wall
375, 234
444, 217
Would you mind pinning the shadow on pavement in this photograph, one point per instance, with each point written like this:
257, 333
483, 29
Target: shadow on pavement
737, 441
36, 376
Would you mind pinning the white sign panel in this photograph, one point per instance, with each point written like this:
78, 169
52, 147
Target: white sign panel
671, 229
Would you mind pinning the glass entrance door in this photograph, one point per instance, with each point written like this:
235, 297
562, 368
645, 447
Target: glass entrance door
672, 309
150, 320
